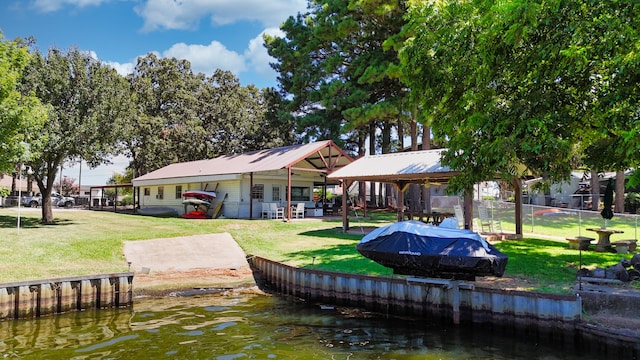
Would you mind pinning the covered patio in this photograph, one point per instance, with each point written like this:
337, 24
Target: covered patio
405, 168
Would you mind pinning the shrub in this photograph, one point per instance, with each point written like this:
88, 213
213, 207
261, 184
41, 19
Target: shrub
126, 200
632, 202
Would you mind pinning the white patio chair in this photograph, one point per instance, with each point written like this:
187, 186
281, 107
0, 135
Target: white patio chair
298, 211
488, 221
457, 210
264, 213
275, 211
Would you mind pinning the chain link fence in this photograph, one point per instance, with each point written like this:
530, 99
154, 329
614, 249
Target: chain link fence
555, 222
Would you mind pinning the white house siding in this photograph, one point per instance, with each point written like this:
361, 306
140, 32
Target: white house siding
168, 199
560, 193
224, 184
271, 180
230, 189
237, 189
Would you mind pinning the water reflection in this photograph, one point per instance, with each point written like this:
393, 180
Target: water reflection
238, 326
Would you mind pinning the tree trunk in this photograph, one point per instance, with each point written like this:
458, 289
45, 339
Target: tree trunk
392, 190
30, 185
361, 184
619, 199
426, 137
13, 184
45, 191
400, 134
414, 189
385, 190
426, 145
595, 191
47, 212
372, 151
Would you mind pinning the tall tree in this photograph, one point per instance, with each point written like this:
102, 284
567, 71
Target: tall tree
238, 119
604, 50
182, 116
526, 83
88, 102
333, 65
167, 128
21, 115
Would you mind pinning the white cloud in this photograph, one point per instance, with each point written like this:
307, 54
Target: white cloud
207, 58
54, 5
171, 14
257, 56
122, 69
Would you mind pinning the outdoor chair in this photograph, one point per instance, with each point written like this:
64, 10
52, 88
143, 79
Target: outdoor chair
275, 211
487, 221
298, 211
265, 212
457, 210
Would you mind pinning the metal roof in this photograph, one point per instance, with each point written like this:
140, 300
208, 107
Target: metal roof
412, 166
321, 156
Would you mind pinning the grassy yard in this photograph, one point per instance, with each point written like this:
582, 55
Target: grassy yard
89, 242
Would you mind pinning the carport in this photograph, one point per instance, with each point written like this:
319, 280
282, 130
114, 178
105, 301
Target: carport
98, 203
405, 168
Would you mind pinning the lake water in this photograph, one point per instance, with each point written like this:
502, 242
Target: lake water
250, 326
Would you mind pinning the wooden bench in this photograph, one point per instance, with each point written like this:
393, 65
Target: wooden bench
579, 242
625, 246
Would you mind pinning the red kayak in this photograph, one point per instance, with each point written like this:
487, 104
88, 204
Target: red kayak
198, 214
201, 195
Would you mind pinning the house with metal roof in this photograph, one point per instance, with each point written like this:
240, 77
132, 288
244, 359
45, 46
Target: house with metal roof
285, 175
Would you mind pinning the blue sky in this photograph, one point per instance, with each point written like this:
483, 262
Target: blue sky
211, 34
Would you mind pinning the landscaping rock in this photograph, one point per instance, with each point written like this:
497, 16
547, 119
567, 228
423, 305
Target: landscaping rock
599, 273
625, 270
621, 272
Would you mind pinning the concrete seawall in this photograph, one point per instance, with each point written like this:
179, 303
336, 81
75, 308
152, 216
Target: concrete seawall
461, 302
458, 300
33, 299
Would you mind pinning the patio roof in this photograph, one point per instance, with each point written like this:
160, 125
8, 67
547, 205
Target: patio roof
404, 168
321, 156
400, 168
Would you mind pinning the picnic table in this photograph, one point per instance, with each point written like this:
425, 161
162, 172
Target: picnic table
604, 244
433, 217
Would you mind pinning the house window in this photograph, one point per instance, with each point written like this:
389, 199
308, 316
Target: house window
178, 191
300, 193
147, 191
275, 193
160, 192
257, 193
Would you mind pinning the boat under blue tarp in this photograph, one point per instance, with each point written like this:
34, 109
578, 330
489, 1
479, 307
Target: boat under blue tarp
415, 248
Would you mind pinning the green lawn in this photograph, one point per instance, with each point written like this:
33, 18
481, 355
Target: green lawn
90, 242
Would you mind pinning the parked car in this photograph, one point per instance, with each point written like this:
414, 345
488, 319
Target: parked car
56, 199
